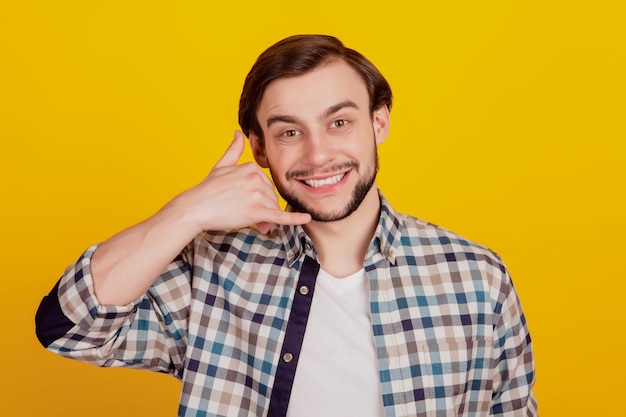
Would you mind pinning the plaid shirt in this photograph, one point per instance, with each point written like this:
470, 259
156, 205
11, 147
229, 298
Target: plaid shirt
228, 315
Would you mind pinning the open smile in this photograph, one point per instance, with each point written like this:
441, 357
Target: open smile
320, 182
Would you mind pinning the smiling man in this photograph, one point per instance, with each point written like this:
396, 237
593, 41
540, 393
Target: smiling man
337, 306
325, 137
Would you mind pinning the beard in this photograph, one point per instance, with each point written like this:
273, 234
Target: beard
363, 186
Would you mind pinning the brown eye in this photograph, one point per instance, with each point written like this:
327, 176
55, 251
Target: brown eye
290, 133
339, 123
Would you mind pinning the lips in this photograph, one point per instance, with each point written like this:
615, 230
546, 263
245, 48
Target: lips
316, 183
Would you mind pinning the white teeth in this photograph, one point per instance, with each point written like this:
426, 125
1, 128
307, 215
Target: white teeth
326, 181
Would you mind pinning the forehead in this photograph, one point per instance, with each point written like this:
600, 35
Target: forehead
312, 93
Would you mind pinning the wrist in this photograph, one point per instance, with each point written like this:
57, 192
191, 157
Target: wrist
180, 219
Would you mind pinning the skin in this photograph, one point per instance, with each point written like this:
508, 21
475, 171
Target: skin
318, 145
318, 127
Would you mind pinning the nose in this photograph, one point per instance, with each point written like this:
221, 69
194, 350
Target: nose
318, 150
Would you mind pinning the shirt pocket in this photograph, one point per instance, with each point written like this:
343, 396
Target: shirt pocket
457, 376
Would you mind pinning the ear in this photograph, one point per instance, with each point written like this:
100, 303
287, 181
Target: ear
380, 121
258, 150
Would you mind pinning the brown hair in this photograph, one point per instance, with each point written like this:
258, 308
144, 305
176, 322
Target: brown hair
297, 55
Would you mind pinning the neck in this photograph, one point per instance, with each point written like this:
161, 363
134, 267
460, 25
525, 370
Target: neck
341, 245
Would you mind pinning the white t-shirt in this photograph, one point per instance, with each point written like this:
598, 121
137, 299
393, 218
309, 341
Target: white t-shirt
337, 373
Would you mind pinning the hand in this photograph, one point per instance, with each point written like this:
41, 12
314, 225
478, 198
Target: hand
234, 196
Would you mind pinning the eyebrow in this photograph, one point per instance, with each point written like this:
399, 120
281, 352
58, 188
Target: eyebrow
340, 106
328, 112
281, 118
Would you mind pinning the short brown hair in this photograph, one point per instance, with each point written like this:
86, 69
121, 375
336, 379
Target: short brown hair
297, 55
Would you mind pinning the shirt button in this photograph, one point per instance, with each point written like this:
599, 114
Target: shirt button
291, 255
288, 357
304, 290
307, 246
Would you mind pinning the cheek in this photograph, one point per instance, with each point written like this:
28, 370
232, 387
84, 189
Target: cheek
282, 158
278, 165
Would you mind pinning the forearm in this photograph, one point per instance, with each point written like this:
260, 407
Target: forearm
124, 266
71, 321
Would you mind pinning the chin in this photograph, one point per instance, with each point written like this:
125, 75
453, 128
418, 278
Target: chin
324, 215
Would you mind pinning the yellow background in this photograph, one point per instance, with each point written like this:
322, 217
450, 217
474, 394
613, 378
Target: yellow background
508, 127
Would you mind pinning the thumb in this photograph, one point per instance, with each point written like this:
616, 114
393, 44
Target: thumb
233, 153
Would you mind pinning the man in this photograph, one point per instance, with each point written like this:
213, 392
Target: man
338, 306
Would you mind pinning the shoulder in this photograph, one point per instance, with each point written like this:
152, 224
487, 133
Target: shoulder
243, 242
243, 258
246, 246
422, 243
437, 247
418, 231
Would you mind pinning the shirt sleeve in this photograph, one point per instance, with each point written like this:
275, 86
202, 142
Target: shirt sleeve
149, 333
514, 374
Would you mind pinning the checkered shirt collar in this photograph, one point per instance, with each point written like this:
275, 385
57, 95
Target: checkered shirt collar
385, 241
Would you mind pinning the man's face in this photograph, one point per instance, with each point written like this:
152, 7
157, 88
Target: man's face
320, 140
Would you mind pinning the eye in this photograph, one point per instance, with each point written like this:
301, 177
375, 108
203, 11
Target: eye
290, 133
339, 123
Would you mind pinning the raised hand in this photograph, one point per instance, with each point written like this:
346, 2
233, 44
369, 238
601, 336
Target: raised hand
234, 196
230, 197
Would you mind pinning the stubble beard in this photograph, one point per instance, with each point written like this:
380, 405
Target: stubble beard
361, 189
